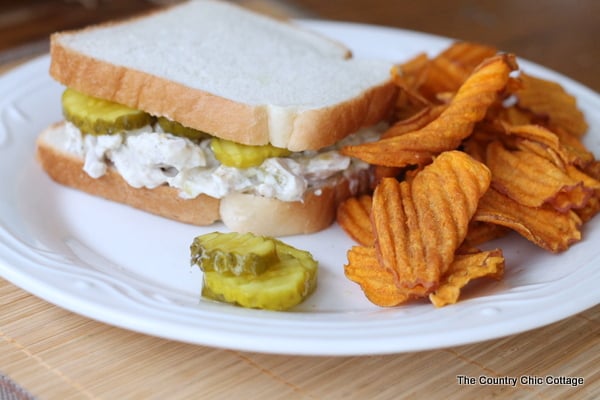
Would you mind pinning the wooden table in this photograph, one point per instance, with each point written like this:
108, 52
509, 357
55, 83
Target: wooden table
54, 354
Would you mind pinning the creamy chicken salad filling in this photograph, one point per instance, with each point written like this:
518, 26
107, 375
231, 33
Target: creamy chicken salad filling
149, 157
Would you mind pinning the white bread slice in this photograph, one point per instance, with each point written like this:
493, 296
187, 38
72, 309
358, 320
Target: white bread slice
67, 168
238, 75
239, 212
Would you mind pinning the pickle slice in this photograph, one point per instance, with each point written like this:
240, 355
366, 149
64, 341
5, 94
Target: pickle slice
100, 117
282, 286
177, 129
234, 253
238, 155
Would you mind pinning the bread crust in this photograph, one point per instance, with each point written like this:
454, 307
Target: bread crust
225, 118
267, 216
308, 129
239, 212
67, 170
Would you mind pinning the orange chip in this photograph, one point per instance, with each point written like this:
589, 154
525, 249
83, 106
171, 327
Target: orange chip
411, 74
447, 131
377, 283
568, 147
483, 134
415, 122
588, 181
537, 134
574, 147
448, 70
468, 54
549, 100
407, 218
593, 170
353, 215
515, 116
408, 77
538, 149
549, 229
464, 269
443, 76
532, 180
474, 164
380, 172
479, 233
591, 208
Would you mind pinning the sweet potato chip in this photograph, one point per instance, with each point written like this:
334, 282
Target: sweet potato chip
415, 122
472, 153
549, 229
532, 180
515, 116
409, 76
412, 73
468, 54
380, 172
476, 144
568, 147
407, 218
479, 233
593, 170
549, 99
464, 269
578, 153
453, 125
591, 208
538, 149
377, 283
449, 69
354, 216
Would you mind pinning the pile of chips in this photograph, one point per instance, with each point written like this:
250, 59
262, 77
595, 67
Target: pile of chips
477, 149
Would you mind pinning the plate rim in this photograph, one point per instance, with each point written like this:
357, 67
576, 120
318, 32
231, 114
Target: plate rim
277, 345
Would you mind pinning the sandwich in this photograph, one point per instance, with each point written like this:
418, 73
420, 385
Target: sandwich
205, 111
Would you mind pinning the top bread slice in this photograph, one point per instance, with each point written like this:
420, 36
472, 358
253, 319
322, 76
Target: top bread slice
238, 75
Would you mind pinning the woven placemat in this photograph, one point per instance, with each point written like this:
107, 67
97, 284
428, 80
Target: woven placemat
10, 390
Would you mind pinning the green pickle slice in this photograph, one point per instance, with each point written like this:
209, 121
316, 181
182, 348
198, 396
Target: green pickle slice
177, 129
101, 117
283, 285
238, 155
234, 253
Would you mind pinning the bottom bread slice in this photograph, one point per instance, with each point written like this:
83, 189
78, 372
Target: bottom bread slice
239, 212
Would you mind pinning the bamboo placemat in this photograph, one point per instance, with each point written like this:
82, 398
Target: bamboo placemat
56, 354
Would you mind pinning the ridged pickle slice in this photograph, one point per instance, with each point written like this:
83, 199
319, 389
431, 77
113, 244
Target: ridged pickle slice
285, 284
101, 117
238, 155
234, 253
177, 129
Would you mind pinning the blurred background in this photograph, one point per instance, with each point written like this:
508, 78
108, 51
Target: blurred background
560, 34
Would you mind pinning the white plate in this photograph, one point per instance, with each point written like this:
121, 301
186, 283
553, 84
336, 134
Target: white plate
131, 269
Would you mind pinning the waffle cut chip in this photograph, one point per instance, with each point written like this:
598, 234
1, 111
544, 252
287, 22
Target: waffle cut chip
533, 180
454, 124
409, 76
463, 270
448, 70
354, 216
476, 149
377, 283
480, 233
549, 101
558, 145
545, 226
407, 218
